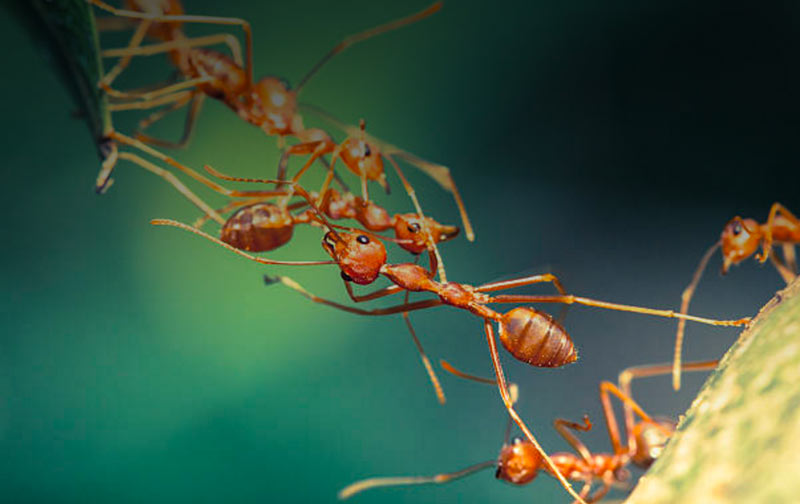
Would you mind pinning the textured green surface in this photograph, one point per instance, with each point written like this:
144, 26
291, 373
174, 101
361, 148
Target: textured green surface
739, 441
74, 42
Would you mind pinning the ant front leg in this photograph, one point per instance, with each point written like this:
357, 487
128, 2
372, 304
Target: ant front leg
391, 310
607, 388
122, 64
503, 386
570, 299
177, 184
626, 376
523, 281
686, 298
563, 426
188, 126
774, 211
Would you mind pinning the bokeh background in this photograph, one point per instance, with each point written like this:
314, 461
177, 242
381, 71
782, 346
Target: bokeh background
607, 143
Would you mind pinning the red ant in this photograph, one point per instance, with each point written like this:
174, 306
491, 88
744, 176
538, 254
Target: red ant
528, 334
269, 103
260, 226
740, 239
519, 462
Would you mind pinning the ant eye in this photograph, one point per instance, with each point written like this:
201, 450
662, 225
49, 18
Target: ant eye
362, 239
737, 228
414, 227
346, 277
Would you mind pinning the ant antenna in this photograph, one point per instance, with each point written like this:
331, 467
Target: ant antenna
295, 187
186, 227
686, 298
360, 486
358, 37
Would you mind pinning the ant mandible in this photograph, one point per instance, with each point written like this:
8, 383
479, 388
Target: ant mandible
528, 334
740, 239
519, 462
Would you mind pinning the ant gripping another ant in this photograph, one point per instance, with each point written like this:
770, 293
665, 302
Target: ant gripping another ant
519, 462
268, 103
741, 239
530, 335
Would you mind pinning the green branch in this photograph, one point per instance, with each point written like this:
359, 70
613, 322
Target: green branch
740, 440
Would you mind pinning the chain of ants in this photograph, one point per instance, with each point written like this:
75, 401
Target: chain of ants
257, 224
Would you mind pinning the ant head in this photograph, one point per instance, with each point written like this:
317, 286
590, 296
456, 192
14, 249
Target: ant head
359, 255
415, 229
650, 440
278, 105
740, 239
518, 463
361, 157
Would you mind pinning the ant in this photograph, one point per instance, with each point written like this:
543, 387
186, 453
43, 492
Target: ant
268, 103
519, 462
530, 335
260, 226
740, 239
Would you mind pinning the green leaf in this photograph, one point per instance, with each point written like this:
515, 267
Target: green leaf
68, 29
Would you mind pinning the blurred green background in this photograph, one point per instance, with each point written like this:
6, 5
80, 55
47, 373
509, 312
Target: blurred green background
607, 143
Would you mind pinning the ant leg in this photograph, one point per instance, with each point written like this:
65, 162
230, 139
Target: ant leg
359, 486
789, 257
563, 426
233, 205
437, 387
439, 173
188, 125
177, 184
521, 282
786, 272
686, 298
162, 18
261, 260
599, 494
182, 43
627, 375
587, 486
372, 32
151, 96
773, 213
115, 135
607, 388
416, 305
386, 291
570, 299
329, 177
148, 104
122, 64
502, 385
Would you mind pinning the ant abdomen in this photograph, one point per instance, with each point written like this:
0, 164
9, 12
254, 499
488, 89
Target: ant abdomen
258, 228
536, 338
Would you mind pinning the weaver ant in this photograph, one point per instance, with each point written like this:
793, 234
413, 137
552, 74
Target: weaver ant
519, 462
260, 226
268, 103
528, 334
740, 239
